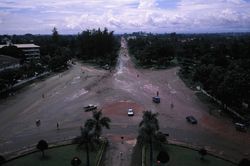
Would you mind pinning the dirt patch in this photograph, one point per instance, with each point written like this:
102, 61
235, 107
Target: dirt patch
121, 108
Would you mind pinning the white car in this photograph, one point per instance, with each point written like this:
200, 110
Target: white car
130, 112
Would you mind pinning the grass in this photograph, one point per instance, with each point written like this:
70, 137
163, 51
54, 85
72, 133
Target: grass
180, 156
60, 156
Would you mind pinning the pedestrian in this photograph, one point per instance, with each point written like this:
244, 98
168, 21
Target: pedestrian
122, 139
172, 105
57, 126
43, 95
38, 122
121, 155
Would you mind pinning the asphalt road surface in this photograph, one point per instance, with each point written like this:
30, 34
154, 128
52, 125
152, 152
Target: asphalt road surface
61, 98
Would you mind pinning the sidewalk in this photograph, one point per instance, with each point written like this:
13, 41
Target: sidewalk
118, 153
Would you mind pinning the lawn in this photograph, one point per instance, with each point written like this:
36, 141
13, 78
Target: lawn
60, 156
180, 156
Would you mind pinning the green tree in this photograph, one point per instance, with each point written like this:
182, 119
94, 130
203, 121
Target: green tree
244, 162
87, 140
2, 160
12, 51
148, 129
42, 145
202, 152
55, 36
98, 122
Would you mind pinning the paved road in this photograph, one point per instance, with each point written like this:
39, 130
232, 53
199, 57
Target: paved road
65, 94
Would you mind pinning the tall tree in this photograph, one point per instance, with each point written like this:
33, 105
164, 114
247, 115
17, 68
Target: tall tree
98, 122
42, 145
86, 140
55, 36
148, 130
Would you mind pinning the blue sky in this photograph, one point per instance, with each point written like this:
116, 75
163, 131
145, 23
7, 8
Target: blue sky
157, 16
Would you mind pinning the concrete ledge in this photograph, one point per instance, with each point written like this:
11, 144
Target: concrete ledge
32, 149
197, 148
192, 147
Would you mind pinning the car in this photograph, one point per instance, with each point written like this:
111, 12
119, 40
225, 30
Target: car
156, 99
130, 112
90, 107
191, 119
241, 127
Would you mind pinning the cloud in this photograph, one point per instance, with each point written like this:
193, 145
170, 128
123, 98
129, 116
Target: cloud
147, 4
39, 16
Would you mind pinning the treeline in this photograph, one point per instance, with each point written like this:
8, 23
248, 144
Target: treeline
219, 63
152, 51
98, 46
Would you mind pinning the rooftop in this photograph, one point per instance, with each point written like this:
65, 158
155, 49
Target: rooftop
22, 45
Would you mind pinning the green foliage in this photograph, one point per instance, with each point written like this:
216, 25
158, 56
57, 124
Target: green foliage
220, 64
98, 46
97, 123
12, 51
42, 145
2, 160
87, 140
59, 59
148, 130
8, 77
152, 51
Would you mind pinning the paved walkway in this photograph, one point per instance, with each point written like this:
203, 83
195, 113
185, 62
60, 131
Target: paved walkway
118, 152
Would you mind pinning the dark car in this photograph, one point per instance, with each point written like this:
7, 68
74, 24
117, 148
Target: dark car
156, 99
90, 107
191, 120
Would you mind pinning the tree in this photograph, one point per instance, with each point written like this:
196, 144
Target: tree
2, 160
148, 129
163, 157
98, 122
55, 36
97, 46
12, 51
86, 140
42, 145
244, 162
76, 161
202, 152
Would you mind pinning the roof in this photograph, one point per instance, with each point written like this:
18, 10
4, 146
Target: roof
22, 46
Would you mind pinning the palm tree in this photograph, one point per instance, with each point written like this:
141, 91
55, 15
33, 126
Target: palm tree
98, 122
148, 129
86, 140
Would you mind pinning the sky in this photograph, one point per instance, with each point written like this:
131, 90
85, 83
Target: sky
124, 16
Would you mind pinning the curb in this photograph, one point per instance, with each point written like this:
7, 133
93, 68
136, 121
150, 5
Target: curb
9, 156
188, 146
197, 148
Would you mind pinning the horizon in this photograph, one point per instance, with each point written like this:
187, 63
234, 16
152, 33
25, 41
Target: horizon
125, 16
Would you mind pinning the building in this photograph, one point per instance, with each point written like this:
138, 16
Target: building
30, 51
